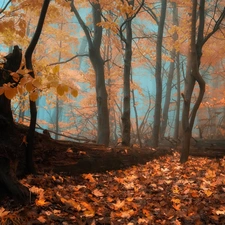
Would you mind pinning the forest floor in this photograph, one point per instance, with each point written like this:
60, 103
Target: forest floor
90, 184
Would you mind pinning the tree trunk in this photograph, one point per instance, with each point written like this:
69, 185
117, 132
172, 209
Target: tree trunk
12, 64
33, 109
136, 117
177, 119
101, 96
194, 61
168, 95
97, 62
9, 184
98, 65
158, 78
170, 75
126, 124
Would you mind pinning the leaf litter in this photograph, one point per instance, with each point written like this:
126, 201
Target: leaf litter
162, 191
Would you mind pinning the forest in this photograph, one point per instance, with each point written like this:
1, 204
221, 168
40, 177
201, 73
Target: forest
112, 112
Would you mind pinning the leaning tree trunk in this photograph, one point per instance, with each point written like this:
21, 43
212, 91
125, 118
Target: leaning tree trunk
193, 74
33, 109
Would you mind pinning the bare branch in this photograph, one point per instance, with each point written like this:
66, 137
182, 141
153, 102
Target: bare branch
216, 27
81, 22
4, 8
128, 20
68, 60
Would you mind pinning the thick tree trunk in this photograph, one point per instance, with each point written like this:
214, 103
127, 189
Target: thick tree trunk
12, 64
101, 97
8, 183
158, 78
98, 65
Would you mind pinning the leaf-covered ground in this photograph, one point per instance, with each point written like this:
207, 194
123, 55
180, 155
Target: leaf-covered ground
162, 191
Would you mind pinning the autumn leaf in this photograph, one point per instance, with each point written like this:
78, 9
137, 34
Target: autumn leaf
36, 83
55, 69
119, 204
3, 212
42, 202
97, 193
61, 89
89, 177
29, 86
208, 193
175, 200
74, 93
10, 93
41, 219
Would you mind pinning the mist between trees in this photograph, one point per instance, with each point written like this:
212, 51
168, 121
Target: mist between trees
129, 72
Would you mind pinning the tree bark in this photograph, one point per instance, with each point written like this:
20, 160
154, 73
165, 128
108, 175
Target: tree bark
97, 62
177, 119
170, 76
193, 74
126, 124
12, 64
158, 78
33, 109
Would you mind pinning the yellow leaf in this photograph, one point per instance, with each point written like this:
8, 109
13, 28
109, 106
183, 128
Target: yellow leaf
208, 193
10, 92
60, 90
175, 190
175, 200
55, 69
74, 93
89, 213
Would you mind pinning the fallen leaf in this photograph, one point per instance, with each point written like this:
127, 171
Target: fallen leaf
97, 193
